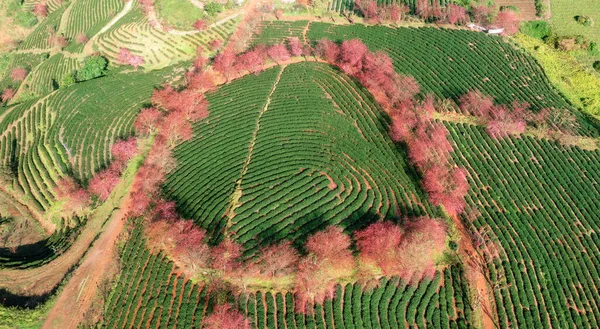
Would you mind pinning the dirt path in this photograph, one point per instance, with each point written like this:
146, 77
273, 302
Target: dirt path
237, 194
583, 142
41, 280
88, 48
198, 4
79, 294
477, 280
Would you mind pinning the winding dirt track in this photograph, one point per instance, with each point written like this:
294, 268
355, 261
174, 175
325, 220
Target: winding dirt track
476, 278
79, 294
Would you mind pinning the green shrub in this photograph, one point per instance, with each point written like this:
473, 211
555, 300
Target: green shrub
25, 18
593, 48
597, 66
540, 9
93, 67
537, 29
584, 20
213, 8
68, 80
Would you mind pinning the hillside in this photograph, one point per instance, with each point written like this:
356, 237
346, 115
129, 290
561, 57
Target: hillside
338, 164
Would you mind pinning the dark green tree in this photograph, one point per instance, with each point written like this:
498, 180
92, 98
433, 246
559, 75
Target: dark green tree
93, 67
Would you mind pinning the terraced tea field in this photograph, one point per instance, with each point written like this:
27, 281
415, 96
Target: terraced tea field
150, 293
309, 149
447, 63
70, 130
159, 48
539, 205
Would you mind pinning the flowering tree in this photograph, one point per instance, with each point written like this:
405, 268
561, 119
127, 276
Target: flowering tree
81, 38
225, 317
378, 243
127, 58
278, 260
175, 128
329, 259
328, 50
224, 64
481, 14
40, 10
225, 256
201, 82
252, 61
76, 199
278, 13
423, 242
456, 14
295, 46
123, 150
503, 122
476, 103
103, 183
352, 54
200, 25
8, 94
215, 44
278, 53
146, 121
18, 74
509, 20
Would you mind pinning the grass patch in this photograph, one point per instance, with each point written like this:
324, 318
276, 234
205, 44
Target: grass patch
565, 23
579, 85
180, 14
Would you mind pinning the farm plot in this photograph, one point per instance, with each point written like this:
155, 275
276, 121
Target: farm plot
149, 294
39, 38
48, 76
565, 23
52, 5
439, 303
449, 63
313, 153
88, 17
539, 204
158, 48
26, 61
71, 130
349, 5
271, 32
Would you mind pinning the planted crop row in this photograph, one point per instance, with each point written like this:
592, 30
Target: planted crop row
271, 32
39, 38
70, 131
539, 201
26, 61
158, 48
49, 75
439, 303
449, 63
321, 157
149, 294
210, 164
88, 17
349, 5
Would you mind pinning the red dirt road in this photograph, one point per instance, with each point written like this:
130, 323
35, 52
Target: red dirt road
80, 293
476, 279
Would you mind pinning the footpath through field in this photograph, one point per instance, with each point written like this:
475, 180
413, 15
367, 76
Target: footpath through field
79, 294
477, 279
77, 297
